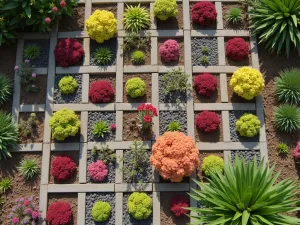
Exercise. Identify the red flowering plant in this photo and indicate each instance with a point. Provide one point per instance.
(59, 213)
(204, 13)
(205, 84)
(297, 153)
(146, 112)
(178, 204)
(237, 49)
(208, 121)
(63, 168)
(101, 92)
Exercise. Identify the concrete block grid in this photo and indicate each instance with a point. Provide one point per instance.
(119, 107)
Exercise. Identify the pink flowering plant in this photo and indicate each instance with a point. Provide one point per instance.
(98, 171)
(27, 76)
(297, 153)
(145, 114)
(25, 212)
(169, 51)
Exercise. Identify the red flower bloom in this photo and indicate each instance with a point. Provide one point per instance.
(148, 107)
(147, 119)
(47, 20)
(207, 121)
(54, 9)
(63, 168)
(59, 213)
(204, 13)
(63, 4)
(113, 127)
(178, 203)
(205, 84)
(101, 92)
(237, 49)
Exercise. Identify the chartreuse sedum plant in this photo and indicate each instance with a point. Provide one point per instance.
(282, 148)
(288, 86)
(5, 88)
(100, 128)
(8, 135)
(67, 85)
(245, 194)
(248, 125)
(174, 126)
(103, 56)
(101, 211)
(234, 15)
(139, 205)
(29, 168)
(31, 52)
(277, 24)
(136, 18)
(135, 87)
(138, 57)
(164, 9)
(212, 164)
(287, 118)
(5, 184)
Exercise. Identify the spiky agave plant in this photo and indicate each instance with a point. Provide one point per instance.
(287, 118)
(234, 15)
(5, 88)
(136, 18)
(245, 194)
(276, 22)
(103, 56)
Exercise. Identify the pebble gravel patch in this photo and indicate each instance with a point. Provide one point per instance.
(247, 154)
(42, 60)
(234, 134)
(165, 117)
(91, 199)
(111, 44)
(129, 220)
(212, 54)
(60, 98)
(170, 98)
(94, 117)
(110, 166)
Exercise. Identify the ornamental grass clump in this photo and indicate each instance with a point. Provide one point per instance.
(174, 126)
(247, 193)
(234, 15)
(136, 18)
(174, 155)
(139, 205)
(165, 9)
(29, 168)
(204, 13)
(135, 87)
(101, 211)
(101, 25)
(212, 164)
(287, 118)
(31, 52)
(5, 88)
(98, 171)
(248, 125)
(59, 213)
(237, 49)
(247, 82)
(169, 50)
(67, 85)
(205, 84)
(5, 184)
(103, 56)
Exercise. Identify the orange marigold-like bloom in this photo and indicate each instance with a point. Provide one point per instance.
(175, 156)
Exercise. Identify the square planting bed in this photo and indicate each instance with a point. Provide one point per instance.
(93, 117)
(91, 199)
(247, 154)
(43, 58)
(74, 155)
(35, 98)
(128, 219)
(111, 78)
(198, 53)
(173, 23)
(246, 62)
(111, 177)
(233, 97)
(111, 44)
(243, 25)
(165, 117)
(180, 61)
(131, 131)
(234, 134)
(74, 22)
(196, 26)
(147, 78)
(172, 97)
(60, 98)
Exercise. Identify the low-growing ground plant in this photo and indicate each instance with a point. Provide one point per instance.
(139, 205)
(26, 127)
(133, 40)
(103, 56)
(174, 126)
(165, 9)
(5, 184)
(5, 88)
(28, 77)
(136, 18)
(31, 52)
(287, 118)
(204, 50)
(29, 168)
(248, 125)
(138, 57)
(105, 154)
(234, 16)
(204, 60)
(101, 211)
(135, 87)
(212, 164)
(100, 128)
(67, 85)
(282, 148)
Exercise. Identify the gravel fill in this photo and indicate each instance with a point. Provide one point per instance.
(212, 44)
(165, 117)
(111, 169)
(42, 60)
(90, 200)
(111, 44)
(234, 134)
(170, 98)
(146, 176)
(247, 154)
(60, 98)
(94, 117)
(129, 220)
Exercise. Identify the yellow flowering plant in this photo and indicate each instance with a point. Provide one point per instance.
(101, 25)
(248, 125)
(247, 82)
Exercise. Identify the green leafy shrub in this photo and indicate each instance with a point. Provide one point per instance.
(276, 24)
(204, 60)
(133, 40)
(288, 86)
(282, 148)
(101, 211)
(234, 16)
(138, 57)
(103, 56)
(174, 126)
(31, 52)
(26, 127)
(100, 128)
(248, 125)
(64, 123)
(67, 85)
(5, 88)
(287, 118)
(242, 196)
(136, 18)
(204, 49)
(8, 135)
(139, 205)
(212, 164)
(29, 168)
(104, 154)
(135, 87)
(164, 9)
(5, 184)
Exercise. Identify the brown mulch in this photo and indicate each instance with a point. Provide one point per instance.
(70, 198)
(245, 62)
(215, 98)
(233, 97)
(20, 188)
(147, 78)
(37, 132)
(167, 217)
(131, 131)
(195, 26)
(180, 61)
(241, 26)
(74, 22)
(108, 77)
(108, 7)
(73, 155)
(35, 98)
(173, 23)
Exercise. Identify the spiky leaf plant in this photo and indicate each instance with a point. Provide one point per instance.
(103, 56)
(288, 86)
(29, 168)
(8, 135)
(245, 194)
(276, 22)
(5, 185)
(5, 88)
(136, 18)
(31, 52)
(234, 15)
(100, 128)
(287, 118)
(174, 126)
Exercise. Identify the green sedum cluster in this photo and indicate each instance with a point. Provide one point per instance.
(248, 125)
(101, 211)
(135, 87)
(138, 57)
(67, 85)
(139, 205)
(212, 164)
(64, 123)
(164, 9)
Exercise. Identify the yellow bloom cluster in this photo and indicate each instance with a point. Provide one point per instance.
(101, 25)
(247, 82)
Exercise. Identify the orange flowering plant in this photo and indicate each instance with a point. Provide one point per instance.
(175, 156)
